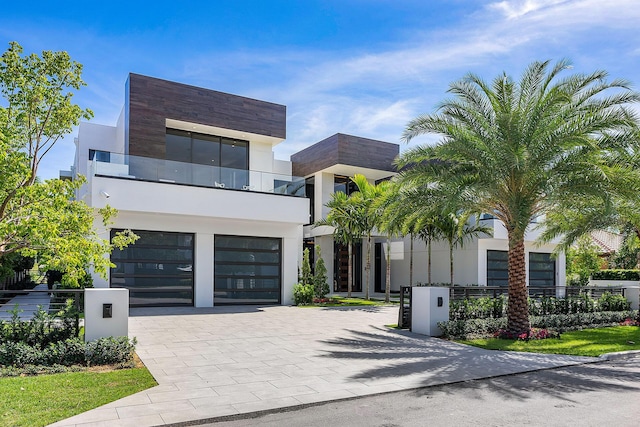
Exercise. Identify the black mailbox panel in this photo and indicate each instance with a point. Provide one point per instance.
(440, 302)
(107, 311)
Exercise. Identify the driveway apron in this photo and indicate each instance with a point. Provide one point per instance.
(232, 360)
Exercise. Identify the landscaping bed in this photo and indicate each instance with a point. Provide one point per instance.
(48, 372)
(345, 302)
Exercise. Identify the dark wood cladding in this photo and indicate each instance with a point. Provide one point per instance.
(150, 101)
(345, 150)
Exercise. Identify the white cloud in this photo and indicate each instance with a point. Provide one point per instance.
(518, 8)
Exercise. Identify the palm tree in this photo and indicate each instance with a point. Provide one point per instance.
(344, 218)
(364, 200)
(521, 149)
(455, 229)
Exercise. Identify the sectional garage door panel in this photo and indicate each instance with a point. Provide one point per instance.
(157, 269)
(248, 270)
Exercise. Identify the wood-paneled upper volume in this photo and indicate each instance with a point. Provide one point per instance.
(345, 150)
(150, 101)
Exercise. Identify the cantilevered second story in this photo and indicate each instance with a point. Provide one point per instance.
(183, 149)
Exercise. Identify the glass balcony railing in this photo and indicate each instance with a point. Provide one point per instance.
(168, 171)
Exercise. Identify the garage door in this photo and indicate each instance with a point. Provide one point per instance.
(157, 269)
(247, 270)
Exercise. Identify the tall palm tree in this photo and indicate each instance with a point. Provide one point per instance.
(520, 149)
(344, 218)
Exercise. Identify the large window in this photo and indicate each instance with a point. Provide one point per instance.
(497, 268)
(542, 269)
(157, 269)
(344, 184)
(247, 270)
(207, 159)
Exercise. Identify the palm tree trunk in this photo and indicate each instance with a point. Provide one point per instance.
(518, 308)
(411, 261)
(367, 267)
(429, 261)
(387, 288)
(451, 263)
(350, 271)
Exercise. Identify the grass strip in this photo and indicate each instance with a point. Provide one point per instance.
(587, 342)
(45, 399)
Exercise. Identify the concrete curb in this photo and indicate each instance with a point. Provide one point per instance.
(619, 355)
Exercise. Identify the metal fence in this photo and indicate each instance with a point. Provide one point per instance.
(465, 292)
(26, 303)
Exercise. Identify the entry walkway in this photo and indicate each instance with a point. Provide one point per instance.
(225, 361)
(27, 304)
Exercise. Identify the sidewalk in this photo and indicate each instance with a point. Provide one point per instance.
(225, 361)
(28, 304)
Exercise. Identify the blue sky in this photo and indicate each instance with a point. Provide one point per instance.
(363, 67)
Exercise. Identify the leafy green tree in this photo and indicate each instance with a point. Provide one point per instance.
(628, 255)
(320, 280)
(583, 259)
(36, 110)
(523, 149)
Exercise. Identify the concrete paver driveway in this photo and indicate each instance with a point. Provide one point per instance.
(223, 361)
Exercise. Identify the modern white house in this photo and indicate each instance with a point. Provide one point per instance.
(328, 166)
(191, 171)
(221, 221)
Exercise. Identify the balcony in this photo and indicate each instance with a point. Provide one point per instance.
(148, 169)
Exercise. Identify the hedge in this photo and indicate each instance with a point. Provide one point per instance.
(633, 275)
(476, 328)
(72, 351)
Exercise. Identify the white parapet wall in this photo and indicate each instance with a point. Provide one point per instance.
(106, 313)
(429, 305)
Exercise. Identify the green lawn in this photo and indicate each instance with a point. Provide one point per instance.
(348, 302)
(588, 342)
(44, 399)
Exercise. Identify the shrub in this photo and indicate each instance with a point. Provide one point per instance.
(484, 308)
(321, 287)
(477, 308)
(303, 294)
(42, 329)
(616, 275)
(306, 278)
(610, 302)
(72, 351)
(474, 328)
(471, 328)
(110, 350)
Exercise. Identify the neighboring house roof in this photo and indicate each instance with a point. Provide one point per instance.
(606, 241)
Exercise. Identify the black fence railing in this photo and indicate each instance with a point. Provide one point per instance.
(26, 303)
(465, 292)
(13, 280)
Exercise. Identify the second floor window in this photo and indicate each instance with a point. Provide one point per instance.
(210, 150)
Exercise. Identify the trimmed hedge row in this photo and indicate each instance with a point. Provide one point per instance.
(486, 307)
(72, 351)
(477, 328)
(616, 275)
